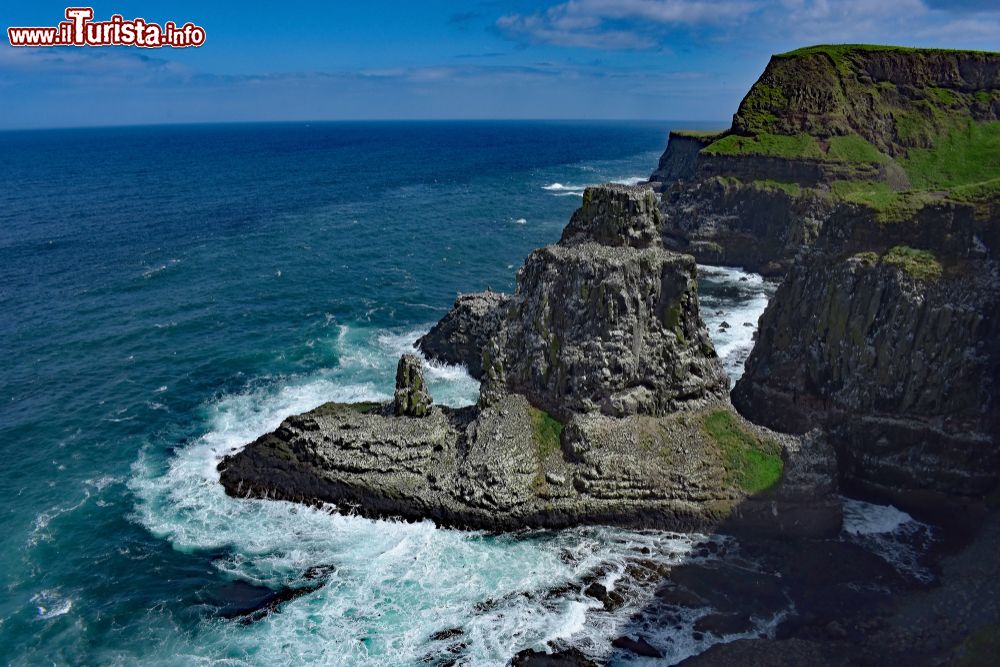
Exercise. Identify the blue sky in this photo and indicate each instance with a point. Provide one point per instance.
(621, 59)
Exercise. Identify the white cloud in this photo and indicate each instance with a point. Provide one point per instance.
(647, 24)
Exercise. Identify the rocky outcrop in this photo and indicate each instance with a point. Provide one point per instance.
(612, 327)
(505, 467)
(411, 398)
(460, 336)
(602, 402)
(616, 215)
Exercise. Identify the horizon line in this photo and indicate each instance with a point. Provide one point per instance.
(111, 126)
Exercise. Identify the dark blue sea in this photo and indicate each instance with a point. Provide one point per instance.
(167, 294)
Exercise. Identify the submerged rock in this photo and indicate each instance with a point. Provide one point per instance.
(460, 336)
(411, 398)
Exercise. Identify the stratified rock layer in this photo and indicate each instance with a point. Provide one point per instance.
(494, 469)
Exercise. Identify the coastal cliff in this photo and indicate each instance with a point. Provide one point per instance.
(884, 128)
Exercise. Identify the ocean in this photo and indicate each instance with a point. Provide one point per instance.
(167, 294)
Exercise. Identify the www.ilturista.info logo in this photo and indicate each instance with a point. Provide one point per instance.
(79, 29)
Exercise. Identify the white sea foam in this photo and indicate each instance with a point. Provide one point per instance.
(576, 190)
(521, 221)
(50, 604)
(394, 584)
(891, 534)
(732, 300)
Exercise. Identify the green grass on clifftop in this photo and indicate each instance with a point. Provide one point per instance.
(771, 145)
(751, 464)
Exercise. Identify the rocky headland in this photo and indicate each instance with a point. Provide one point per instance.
(602, 401)
(868, 178)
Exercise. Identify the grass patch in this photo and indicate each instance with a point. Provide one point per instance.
(790, 189)
(976, 191)
(698, 134)
(918, 264)
(751, 464)
(854, 148)
(772, 145)
(967, 154)
(546, 431)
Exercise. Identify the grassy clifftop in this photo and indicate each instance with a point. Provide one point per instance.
(924, 120)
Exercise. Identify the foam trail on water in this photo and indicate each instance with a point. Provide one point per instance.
(732, 300)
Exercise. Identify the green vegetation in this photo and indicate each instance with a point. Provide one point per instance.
(980, 649)
(968, 154)
(698, 134)
(854, 148)
(773, 145)
(752, 464)
(918, 264)
(976, 191)
(888, 204)
(791, 189)
(546, 431)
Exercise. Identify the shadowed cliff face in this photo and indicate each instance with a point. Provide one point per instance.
(897, 357)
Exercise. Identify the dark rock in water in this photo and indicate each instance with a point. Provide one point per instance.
(412, 398)
(721, 625)
(569, 658)
(616, 215)
(610, 599)
(248, 603)
(319, 572)
(639, 646)
(450, 633)
(461, 335)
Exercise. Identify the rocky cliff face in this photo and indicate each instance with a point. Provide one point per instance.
(897, 356)
(607, 320)
(460, 336)
(881, 127)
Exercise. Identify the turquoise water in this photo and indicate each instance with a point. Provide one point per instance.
(170, 293)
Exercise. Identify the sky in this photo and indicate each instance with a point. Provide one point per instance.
(431, 59)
